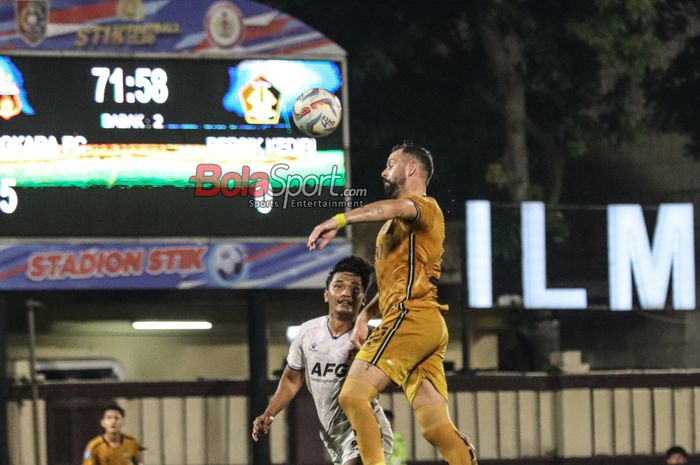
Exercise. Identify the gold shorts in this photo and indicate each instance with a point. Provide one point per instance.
(409, 347)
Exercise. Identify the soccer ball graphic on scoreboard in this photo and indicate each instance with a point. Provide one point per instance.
(229, 262)
(317, 112)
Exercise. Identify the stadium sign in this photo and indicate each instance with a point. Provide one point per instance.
(668, 259)
(160, 264)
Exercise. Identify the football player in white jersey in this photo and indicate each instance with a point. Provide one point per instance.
(320, 356)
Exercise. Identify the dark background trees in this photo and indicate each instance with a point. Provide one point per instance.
(507, 92)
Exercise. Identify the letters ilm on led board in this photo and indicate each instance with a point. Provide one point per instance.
(639, 258)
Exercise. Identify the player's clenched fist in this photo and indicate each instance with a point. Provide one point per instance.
(261, 425)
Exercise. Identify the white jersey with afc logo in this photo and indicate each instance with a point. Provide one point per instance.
(325, 360)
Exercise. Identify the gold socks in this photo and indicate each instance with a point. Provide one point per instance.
(355, 399)
(438, 429)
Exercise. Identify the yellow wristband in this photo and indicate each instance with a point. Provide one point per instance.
(341, 220)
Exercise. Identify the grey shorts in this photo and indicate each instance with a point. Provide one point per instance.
(342, 445)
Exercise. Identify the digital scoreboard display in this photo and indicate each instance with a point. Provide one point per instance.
(112, 147)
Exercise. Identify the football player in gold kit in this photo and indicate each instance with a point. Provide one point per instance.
(114, 447)
(409, 346)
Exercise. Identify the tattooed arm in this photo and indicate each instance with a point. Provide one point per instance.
(371, 213)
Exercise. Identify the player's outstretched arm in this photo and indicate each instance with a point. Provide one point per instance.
(371, 213)
(290, 383)
(361, 330)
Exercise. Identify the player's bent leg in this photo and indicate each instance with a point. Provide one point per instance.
(437, 427)
(360, 387)
(354, 399)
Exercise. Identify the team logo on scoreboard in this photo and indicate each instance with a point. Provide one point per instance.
(130, 9)
(261, 102)
(224, 24)
(13, 98)
(32, 17)
(10, 103)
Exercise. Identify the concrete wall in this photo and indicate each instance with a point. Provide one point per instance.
(220, 353)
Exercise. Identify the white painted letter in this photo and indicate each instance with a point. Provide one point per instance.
(479, 274)
(534, 267)
(629, 252)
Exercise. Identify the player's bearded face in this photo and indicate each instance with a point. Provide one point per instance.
(391, 189)
(393, 176)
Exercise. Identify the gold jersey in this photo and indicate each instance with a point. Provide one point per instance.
(409, 257)
(99, 452)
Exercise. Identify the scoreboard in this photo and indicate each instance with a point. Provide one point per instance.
(120, 146)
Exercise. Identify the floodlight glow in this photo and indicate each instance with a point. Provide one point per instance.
(292, 331)
(171, 325)
(265, 202)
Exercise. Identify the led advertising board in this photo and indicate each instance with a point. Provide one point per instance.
(619, 257)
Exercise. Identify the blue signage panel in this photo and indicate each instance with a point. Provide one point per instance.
(166, 265)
